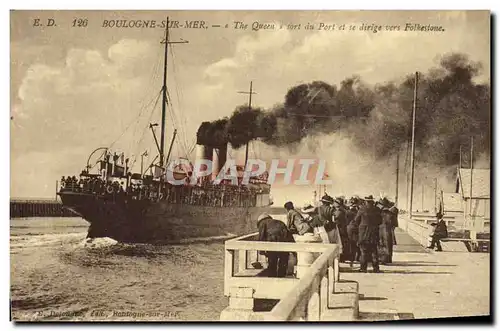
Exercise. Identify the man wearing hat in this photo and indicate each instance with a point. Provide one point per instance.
(341, 221)
(386, 239)
(352, 233)
(440, 232)
(312, 215)
(314, 221)
(368, 220)
(295, 221)
(274, 231)
(325, 213)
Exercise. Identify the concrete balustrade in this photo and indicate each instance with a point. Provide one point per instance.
(420, 231)
(306, 259)
(417, 230)
(315, 293)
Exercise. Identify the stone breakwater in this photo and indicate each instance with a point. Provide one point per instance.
(38, 208)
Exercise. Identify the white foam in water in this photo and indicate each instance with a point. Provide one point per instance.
(99, 242)
(44, 240)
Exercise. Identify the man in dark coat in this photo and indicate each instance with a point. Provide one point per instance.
(326, 216)
(368, 219)
(325, 211)
(274, 231)
(386, 236)
(352, 234)
(340, 219)
(440, 232)
(394, 214)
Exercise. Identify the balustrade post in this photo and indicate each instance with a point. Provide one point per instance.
(242, 260)
(305, 259)
(228, 269)
(313, 305)
(241, 305)
(324, 294)
(336, 270)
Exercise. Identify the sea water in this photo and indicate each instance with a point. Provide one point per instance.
(58, 274)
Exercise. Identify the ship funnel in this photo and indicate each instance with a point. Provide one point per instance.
(204, 153)
(220, 157)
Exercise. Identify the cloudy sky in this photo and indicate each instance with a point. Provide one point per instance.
(74, 89)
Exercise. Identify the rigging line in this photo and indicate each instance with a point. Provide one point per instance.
(191, 149)
(144, 131)
(134, 120)
(138, 121)
(170, 111)
(139, 144)
(175, 120)
(179, 99)
(154, 76)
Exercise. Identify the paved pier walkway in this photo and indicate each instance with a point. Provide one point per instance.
(405, 243)
(424, 284)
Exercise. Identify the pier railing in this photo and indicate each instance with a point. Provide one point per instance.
(420, 231)
(307, 295)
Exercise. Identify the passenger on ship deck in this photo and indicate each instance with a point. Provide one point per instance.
(274, 231)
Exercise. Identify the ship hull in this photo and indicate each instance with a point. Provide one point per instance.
(158, 222)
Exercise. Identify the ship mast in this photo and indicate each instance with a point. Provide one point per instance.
(249, 108)
(164, 93)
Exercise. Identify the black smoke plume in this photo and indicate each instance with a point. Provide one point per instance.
(451, 108)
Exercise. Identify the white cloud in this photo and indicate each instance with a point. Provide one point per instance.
(82, 104)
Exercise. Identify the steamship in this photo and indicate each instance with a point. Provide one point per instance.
(149, 208)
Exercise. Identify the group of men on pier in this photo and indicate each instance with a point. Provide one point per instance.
(364, 228)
